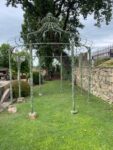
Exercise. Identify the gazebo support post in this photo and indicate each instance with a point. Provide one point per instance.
(40, 94)
(80, 67)
(61, 73)
(10, 75)
(73, 111)
(19, 59)
(31, 79)
(19, 82)
(32, 114)
(89, 74)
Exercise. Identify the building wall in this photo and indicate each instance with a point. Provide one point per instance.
(101, 81)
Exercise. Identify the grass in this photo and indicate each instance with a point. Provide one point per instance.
(108, 63)
(56, 128)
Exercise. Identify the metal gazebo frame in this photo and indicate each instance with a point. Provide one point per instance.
(49, 23)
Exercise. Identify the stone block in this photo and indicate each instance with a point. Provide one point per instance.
(33, 115)
(20, 100)
(12, 109)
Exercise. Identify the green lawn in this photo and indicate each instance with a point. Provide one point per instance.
(56, 128)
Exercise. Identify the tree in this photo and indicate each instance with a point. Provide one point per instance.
(67, 11)
(4, 56)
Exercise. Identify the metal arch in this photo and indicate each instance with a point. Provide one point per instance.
(49, 23)
(73, 86)
(54, 26)
(73, 111)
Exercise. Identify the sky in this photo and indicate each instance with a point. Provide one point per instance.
(101, 37)
(11, 20)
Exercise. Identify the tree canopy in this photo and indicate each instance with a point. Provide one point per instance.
(68, 12)
(4, 57)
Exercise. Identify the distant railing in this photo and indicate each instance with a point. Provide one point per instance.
(106, 52)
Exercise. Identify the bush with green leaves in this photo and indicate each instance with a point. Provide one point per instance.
(25, 89)
(36, 78)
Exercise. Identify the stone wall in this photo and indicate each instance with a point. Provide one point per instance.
(101, 81)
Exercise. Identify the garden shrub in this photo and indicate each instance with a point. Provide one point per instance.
(36, 78)
(25, 89)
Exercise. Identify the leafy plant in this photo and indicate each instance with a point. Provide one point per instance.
(36, 78)
(25, 89)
